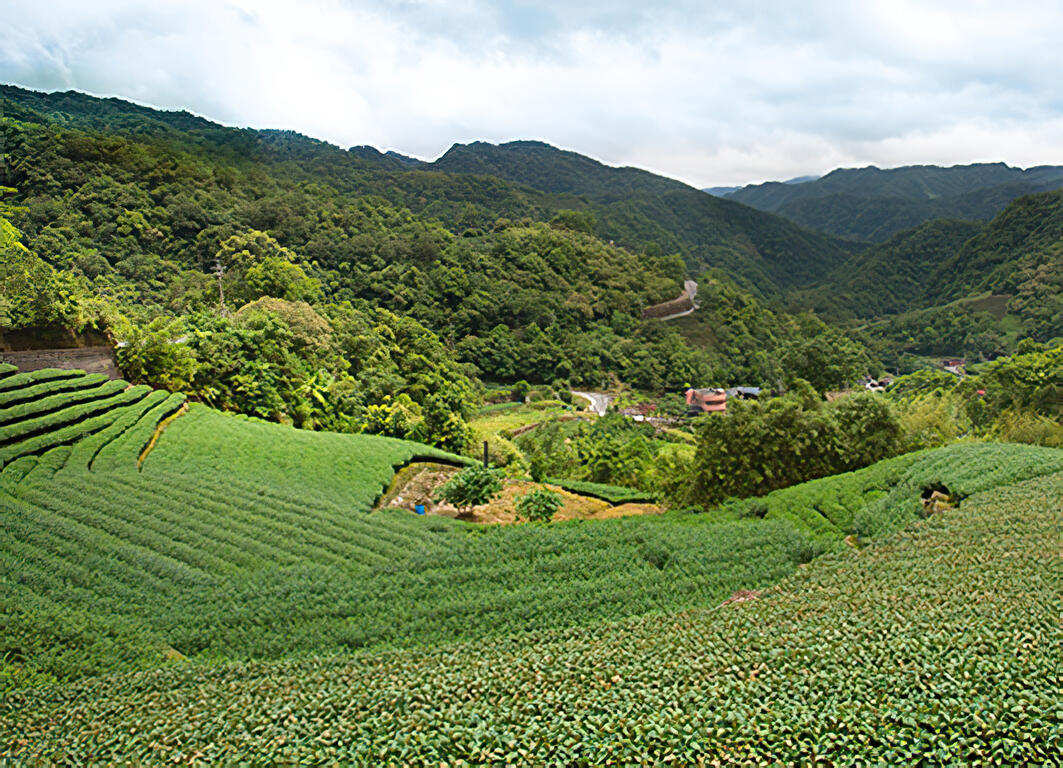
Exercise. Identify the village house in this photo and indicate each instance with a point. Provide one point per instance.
(744, 393)
(955, 367)
(713, 400)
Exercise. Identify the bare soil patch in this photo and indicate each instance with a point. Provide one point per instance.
(419, 482)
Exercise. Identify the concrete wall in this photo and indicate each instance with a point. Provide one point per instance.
(89, 359)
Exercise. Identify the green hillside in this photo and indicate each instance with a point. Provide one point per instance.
(934, 643)
(873, 204)
(239, 539)
(895, 276)
(947, 280)
(765, 253)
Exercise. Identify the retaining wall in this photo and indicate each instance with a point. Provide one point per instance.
(89, 359)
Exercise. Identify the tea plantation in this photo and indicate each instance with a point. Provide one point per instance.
(221, 589)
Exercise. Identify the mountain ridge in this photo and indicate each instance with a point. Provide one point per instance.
(873, 204)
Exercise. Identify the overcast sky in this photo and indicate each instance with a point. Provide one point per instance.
(709, 92)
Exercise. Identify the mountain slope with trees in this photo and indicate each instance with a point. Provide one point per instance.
(955, 287)
(472, 186)
(873, 204)
(310, 285)
(766, 254)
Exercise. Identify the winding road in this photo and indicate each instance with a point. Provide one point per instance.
(599, 402)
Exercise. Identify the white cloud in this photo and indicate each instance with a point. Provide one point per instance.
(700, 91)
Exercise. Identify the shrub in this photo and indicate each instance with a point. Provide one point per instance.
(932, 420)
(520, 391)
(539, 505)
(1023, 427)
(757, 509)
(472, 487)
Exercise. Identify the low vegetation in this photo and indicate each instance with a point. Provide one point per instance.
(831, 574)
(935, 644)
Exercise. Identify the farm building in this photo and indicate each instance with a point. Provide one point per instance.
(744, 393)
(713, 400)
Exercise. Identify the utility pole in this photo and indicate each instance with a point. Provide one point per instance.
(219, 272)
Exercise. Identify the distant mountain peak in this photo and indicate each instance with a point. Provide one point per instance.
(873, 203)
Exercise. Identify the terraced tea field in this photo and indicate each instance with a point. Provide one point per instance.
(224, 550)
(940, 644)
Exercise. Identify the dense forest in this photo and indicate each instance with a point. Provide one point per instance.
(277, 276)
(873, 204)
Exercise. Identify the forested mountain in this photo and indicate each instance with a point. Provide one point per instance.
(873, 204)
(499, 256)
(348, 284)
(725, 191)
(894, 276)
(1017, 257)
(950, 287)
(471, 186)
(767, 254)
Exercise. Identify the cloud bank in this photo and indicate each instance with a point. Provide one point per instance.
(702, 91)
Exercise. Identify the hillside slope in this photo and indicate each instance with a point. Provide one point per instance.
(939, 643)
(1017, 259)
(464, 189)
(240, 539)
(635, 206)
(873, 204)
(895, 276)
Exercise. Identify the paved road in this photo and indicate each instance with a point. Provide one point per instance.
(691, 289)
(599, 402)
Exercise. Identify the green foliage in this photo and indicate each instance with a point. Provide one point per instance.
(32, 293)
(822, 356)
(873, 204)
(759, 446)
(240, 540)
(520, 391)
(892, 277)
(956, 288)
(141, 208)
(155, 353)
(1017, 398)
(472, 487)
(932, 420)
(658, 215)
(1025, 427)
(394, 417)
(580, 221)
(1031, 381)
(614, 494)
(611, 450)
(256, 265)
(850, 659)
(539, 505)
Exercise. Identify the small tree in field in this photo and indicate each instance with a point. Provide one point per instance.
(470, 488)
(539, 505)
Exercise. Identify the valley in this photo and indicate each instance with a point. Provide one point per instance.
(517, 457)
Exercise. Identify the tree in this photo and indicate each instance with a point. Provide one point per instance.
(822, 355)
(154, 353)
(32, 293)
(520, 390)
(472, 487)
(577, 221)
(394, 417)
(759, 446)
(539, 505)
(253, 265)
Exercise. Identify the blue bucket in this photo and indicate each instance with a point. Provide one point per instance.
(419, 509)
